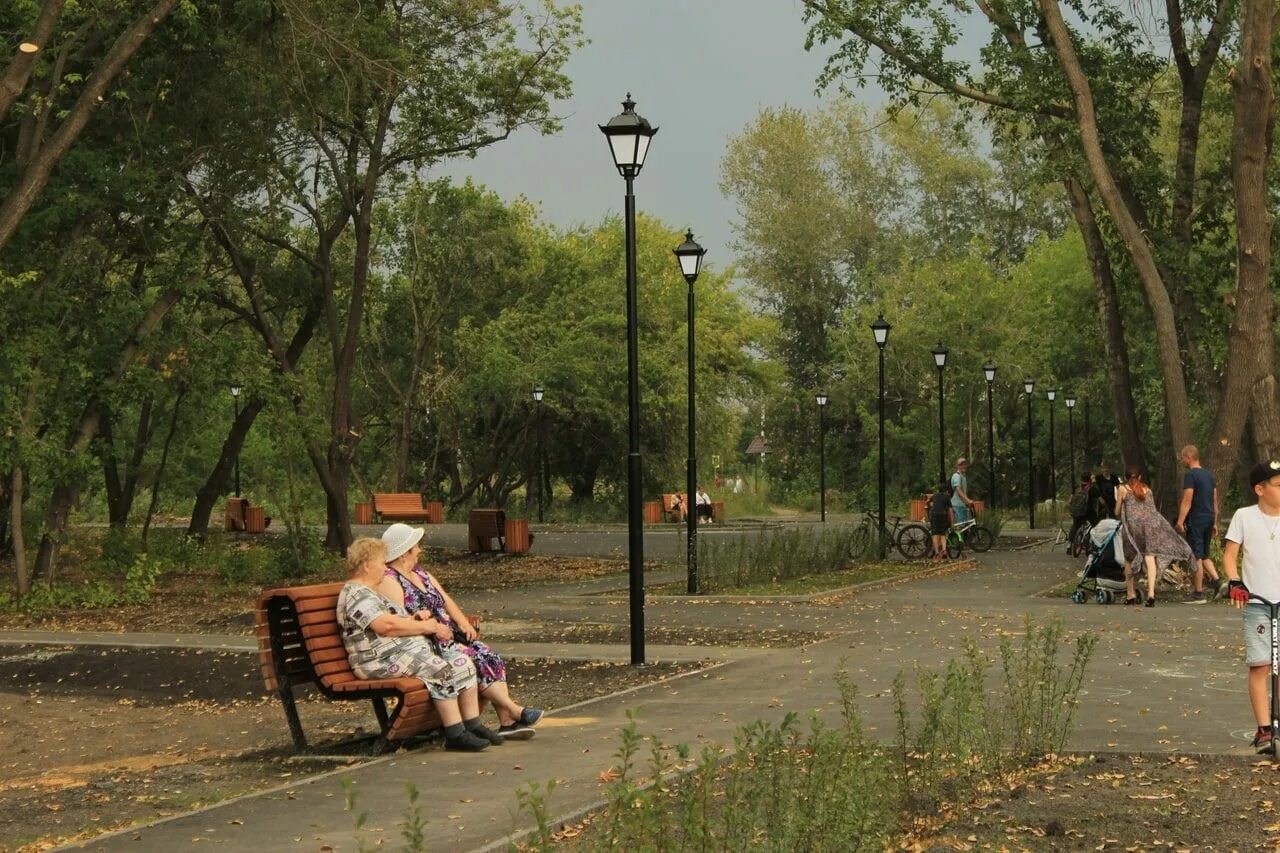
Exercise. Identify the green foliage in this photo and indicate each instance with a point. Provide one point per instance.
(773, 555)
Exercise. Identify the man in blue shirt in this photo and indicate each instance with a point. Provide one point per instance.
(1198, 519)
(960, 501)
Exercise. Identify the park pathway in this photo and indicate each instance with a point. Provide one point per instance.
(1159, 680)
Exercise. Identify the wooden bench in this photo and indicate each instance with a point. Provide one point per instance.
(300, 642)
(399, 506)
(485, 525)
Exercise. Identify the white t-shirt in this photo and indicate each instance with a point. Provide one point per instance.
(1259, 538)
(703, 498)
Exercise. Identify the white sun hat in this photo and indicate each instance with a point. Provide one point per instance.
(399, 538)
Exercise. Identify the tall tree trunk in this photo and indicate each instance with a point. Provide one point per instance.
(1120, 379)
(121, 491)
(22, 574)
(1177, 415)
(216, 484)
(164, 460)
(1250, 369)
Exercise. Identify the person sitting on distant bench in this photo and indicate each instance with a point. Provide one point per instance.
(703, 504)
(677, 508)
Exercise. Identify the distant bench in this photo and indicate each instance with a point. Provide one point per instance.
(406, 506)
(486, 525)
(300, 642)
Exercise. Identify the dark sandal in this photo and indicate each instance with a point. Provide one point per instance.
(1132, 601)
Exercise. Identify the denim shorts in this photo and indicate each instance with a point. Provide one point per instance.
(1257, 634)
(1198, 528)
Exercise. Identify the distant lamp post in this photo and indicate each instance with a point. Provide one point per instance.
(235, 407)
(537, 399)
(1052, 395)
(989, 372)
(940, 359)
(822, 454)
(880, 329)
(1071, 435)
(1030, 387)
(629, 136)
(689, 254)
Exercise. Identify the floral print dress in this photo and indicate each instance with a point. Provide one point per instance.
(489, 666)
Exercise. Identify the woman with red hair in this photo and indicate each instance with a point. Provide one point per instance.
(1148, 536)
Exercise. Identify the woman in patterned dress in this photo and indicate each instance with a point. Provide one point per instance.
(1148, 536)
(409, 585)
(383, 641)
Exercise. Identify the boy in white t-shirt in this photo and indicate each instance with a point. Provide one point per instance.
(1256, 529)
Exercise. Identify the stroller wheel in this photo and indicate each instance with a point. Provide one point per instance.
(1078, 596)
(1101, 596)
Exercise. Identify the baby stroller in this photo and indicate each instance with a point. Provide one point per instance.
(1103, 575)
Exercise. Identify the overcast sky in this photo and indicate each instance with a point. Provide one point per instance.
(700, 70)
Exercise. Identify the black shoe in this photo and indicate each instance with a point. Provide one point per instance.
(466, 742)
(522, 729)
(1150, 602)
(483, 731)
(1262, 739)
(1129, 602)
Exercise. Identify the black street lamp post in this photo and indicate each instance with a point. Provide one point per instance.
(989, 371)
(940, 359)
(1071, 435)
(537, 399)
(881, 331)
(629, 136)
(1052, 395)
(822, 454)
(689, 254)
(235, 407)
(1029, 386)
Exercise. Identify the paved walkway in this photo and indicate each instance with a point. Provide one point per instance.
(1163, 679)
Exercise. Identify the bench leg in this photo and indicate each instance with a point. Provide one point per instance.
(380, 711)
(283, 688)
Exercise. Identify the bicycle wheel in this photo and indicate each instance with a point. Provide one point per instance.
(955, 545)
(860, 542)
(913, 541)
(979, 538)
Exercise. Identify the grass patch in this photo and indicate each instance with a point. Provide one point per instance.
(806, 584)
(792, 786)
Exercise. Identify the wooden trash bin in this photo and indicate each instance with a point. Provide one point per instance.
(364, 513)
(255, 520)
(920, 509)
(652, 512)
(979, 507)
(435, 512)
(717, 512)
(517, 536)
(235, 516)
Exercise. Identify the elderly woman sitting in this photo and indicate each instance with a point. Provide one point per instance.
(383, 641)
(409, 585)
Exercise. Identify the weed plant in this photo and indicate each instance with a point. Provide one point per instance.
(993, 520)
(773, 556)
(791, 787)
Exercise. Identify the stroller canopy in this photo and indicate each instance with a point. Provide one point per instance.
(1102, 531)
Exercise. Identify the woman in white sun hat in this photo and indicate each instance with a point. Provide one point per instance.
(382, 641)
(409, 585)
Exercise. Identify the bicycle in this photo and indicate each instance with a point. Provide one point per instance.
(968, 534)
(1077, 545)
(911, 539)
